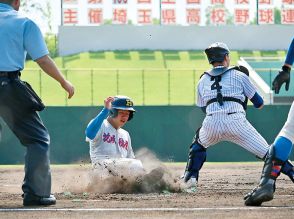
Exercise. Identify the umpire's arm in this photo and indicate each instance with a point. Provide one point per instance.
(48, 66)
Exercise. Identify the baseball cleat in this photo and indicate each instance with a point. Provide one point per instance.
(190, 186)
(250, 193)
(259, 195)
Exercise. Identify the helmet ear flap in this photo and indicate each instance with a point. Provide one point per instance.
(131, 115)
(113, 112)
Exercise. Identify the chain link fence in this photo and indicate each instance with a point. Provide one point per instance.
(144, 86)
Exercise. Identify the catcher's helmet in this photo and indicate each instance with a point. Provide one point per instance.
(216, 52)
(122, 103)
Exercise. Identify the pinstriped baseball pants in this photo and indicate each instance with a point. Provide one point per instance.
(234, 128)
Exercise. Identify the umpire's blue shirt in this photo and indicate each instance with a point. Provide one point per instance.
(18, 35)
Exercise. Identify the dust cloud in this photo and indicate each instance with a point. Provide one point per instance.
(116, 177)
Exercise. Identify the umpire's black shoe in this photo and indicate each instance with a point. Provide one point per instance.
(33, 200)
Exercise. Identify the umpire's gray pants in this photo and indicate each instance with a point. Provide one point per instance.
(32, 133)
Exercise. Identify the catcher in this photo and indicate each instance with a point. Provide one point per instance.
(222, 94)
(111, 150)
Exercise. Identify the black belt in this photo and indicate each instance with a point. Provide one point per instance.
(226, 99)
(226, 113)
(10, 74)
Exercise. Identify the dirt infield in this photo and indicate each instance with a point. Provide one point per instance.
(220, 194)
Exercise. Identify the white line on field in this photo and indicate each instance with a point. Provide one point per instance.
(142, 209)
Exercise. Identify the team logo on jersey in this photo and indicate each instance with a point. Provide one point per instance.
(111, 140)
(123, 144)
(108, 138)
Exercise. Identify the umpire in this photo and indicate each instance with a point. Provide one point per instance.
(19, 103)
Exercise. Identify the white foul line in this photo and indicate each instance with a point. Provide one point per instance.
(142, 209)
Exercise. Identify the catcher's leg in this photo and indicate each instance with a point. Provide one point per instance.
(266, 188)
(197, 156)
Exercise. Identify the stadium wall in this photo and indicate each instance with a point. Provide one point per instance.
(76, 39)
(165, 130)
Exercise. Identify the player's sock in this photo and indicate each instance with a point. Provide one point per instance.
(283, 148)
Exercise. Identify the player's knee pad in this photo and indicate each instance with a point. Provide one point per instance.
(197, 156)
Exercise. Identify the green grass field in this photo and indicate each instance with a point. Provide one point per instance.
(149, 77)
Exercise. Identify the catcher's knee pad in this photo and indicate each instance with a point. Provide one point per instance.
(197, 156)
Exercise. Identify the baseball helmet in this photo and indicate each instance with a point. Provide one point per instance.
(122, 103)
(216, 52)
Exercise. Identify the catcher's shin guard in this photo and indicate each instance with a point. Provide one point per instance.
(197, 156)
(266, 188)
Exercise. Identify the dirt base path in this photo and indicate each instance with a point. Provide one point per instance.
(220, 194)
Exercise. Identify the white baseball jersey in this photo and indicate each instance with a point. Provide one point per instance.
(233, 84)
(110, 143)
(228, 122)
(288, 129)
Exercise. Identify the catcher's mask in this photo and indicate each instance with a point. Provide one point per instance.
(216, 52)
(122, 103)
